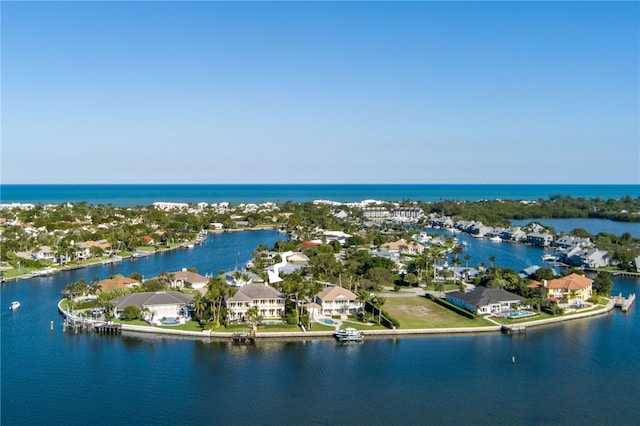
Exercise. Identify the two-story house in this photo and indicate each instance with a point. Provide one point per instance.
(270, 302)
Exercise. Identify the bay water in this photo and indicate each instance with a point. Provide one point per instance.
(582, 371)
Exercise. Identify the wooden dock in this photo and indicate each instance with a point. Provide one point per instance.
(108, 328)
(243, 337)
(513, 329)
(624, 303)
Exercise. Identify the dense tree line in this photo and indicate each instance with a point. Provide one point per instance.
(497, 212)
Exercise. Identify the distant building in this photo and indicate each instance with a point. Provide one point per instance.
(164, 205)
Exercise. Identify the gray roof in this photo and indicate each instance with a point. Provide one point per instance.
(152, 299)
(256, 291)
(482, 296)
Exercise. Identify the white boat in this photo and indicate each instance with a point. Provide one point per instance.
(14, 305)
(349, 335)
(495, 239)
(549, 258)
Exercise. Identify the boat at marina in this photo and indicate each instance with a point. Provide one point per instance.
(14, 305)
(549, 258)
(495, 239)
(349, 335)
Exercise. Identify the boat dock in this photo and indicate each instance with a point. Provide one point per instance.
(513, 329)
(624, 303)
(243, 337)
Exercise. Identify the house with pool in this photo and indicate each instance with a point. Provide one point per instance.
(167, 305)
(338, 301)
(483, 300)
(270, 302)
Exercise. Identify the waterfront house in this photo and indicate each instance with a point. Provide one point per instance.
(270, 302)
(118, 281)
(44, 253)
(479, 230)
(185, 278)
(338, 301)
(160, 304)
(483, 300)
(594, 258)
(572, 289)
(513, 234)
(568, 241)
(539, 239)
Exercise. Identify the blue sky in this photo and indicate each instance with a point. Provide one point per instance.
(327, 92)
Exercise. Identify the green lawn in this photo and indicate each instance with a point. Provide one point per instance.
(420, 312)
(363, 326)
(316, 326)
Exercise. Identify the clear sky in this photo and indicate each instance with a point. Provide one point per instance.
(327, 92)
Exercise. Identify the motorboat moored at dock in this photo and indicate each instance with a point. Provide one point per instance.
(349, 335)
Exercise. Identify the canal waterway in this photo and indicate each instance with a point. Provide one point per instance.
(582, 371)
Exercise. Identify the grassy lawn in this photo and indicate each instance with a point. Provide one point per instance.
(363, 326)
(420, 312)
(537, 317)
(188, 326)
(271, 328)
(316, 326)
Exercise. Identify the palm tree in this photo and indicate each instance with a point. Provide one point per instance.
(377, 302)
(456, 262)
(199, 306)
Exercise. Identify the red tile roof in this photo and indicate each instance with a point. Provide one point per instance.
(570, 282)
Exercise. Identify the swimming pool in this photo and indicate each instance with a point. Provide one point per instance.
(520, 314)
(327, 321)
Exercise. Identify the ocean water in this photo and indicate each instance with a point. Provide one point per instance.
(128, 195)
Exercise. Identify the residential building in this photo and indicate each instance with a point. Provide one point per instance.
(539, 239)
(403, 246)
(185, 278)
(161, 304)
(270, 302)
(338, 301)
(118, 281)
(572, 289)
(483, 300)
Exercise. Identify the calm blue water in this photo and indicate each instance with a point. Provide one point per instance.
(593, 226)
(577, 372)
(128, 195)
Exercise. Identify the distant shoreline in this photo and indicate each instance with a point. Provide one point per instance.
(30, 275)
